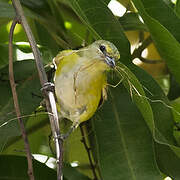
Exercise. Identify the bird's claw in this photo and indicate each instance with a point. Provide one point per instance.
(48, 86)
(62, 137)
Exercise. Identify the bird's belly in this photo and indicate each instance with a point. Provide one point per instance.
(78, 95)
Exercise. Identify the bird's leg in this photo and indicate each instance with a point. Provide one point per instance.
(72, 128)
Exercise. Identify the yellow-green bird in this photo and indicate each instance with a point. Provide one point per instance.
(80, 79)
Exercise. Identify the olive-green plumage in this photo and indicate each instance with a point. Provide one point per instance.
(80, 79)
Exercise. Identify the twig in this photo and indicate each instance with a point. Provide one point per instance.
(16, 104)
(47, 88)
(138, 52)
(150, 61)
(83, 140)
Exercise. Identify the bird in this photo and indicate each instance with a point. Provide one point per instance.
(80, 79)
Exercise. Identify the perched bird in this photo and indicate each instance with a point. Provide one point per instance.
(80, 79)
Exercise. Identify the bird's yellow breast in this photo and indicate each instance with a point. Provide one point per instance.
(79, 82)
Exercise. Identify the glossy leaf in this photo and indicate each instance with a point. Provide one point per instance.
(77, 153)
(27, 85)
(174, 91)
(162, 13)
(123, 140)
(152, 115)
(38, 130)
(4, 59)
(6, 10)
(177, 8)
(131, 21)
(106, 25)
(35, 5)
(133, 130)
(165, 37)
(16, 167)
(163, 124)
(72, 173)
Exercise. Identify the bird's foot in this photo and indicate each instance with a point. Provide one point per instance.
(48, 86)
(63, 137)
(66, 135)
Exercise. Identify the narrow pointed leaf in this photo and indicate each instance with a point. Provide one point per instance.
(124, 142)
(165, 36)
(103, 24)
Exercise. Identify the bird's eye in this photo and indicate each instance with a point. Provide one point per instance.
(102, 48)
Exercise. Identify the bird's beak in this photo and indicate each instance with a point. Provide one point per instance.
(110, 61)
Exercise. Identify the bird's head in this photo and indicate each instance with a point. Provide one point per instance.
(107, 51)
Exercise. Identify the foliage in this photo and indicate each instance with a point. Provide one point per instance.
(135, 134)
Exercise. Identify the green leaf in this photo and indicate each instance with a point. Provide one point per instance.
(166, 43)
(163, 125)
(131, 22)
(174, 91)
(76, 31)
(160, 106)
(123, 140)
(35, 5)
(72, 174)
(167, 161)
(169, 3)
(38, 130)
(153, 105)
(6, 10)
(160, 112)
(27, 84)
(4, 58)
(177, 8)
(15, 167)
(47, 53)
(37, 11)
(103, 24)
(162, 13)
(46, 40)
(135, 89)
(77, 153)
(117, 120)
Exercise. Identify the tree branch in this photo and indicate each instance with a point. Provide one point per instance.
(137, 53)
(16, 104)
(47, 88)
(150, 61)
(83, 140)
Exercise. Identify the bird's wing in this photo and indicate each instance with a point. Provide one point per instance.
(103, 96)
(61, 55)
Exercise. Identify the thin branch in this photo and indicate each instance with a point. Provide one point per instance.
(138, 52)
(150, 61)
(16, 104)
(47, 88)
(88, 152)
